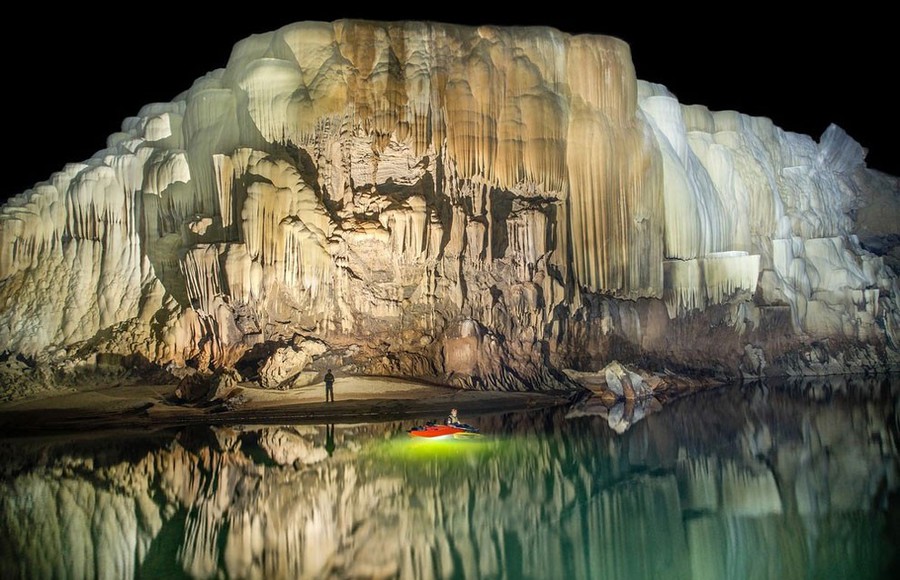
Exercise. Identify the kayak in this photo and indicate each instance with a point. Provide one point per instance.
(431, 431)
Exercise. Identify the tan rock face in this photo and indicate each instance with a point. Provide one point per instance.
(373, 186)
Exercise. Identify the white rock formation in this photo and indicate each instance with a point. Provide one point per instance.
(409, 193)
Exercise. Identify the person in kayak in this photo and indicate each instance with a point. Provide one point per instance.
(453, 419)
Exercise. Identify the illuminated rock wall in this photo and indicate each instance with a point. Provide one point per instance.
(392, 188)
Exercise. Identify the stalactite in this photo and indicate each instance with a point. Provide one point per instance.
(203, 276)
(728, 272)
(283, 195)
(168, 180)
(338, 172)
(225, 184)
(306, 265)
(408, 229)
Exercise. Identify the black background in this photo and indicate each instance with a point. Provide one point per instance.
(73, 74)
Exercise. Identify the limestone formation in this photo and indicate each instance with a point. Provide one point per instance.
(285, 366)
(220, 386)
(476, 206)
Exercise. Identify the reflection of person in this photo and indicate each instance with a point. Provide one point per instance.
(329, 439)
(329, 386)
(453, 419)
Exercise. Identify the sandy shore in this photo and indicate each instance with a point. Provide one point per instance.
(357, 400)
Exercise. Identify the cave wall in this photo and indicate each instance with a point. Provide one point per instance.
(478, 206)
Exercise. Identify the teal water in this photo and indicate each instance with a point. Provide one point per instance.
(743, 482)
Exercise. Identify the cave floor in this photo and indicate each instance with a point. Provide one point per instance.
(357, 400)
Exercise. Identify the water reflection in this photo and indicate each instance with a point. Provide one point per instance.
(748, 482)
(329, 440)
(619, 415)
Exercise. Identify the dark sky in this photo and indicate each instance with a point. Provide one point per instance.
(71, 77)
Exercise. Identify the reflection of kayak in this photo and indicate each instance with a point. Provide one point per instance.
(430, 431)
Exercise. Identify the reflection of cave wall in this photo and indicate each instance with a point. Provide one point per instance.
(671, 496)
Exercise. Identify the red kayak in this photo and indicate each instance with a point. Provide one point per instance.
(440, 430)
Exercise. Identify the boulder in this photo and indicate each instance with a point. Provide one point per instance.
(285, 365)
(201, 388)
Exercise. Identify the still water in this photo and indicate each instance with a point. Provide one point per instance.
(744, 482)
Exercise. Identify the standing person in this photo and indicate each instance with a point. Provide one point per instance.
(329, 386)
